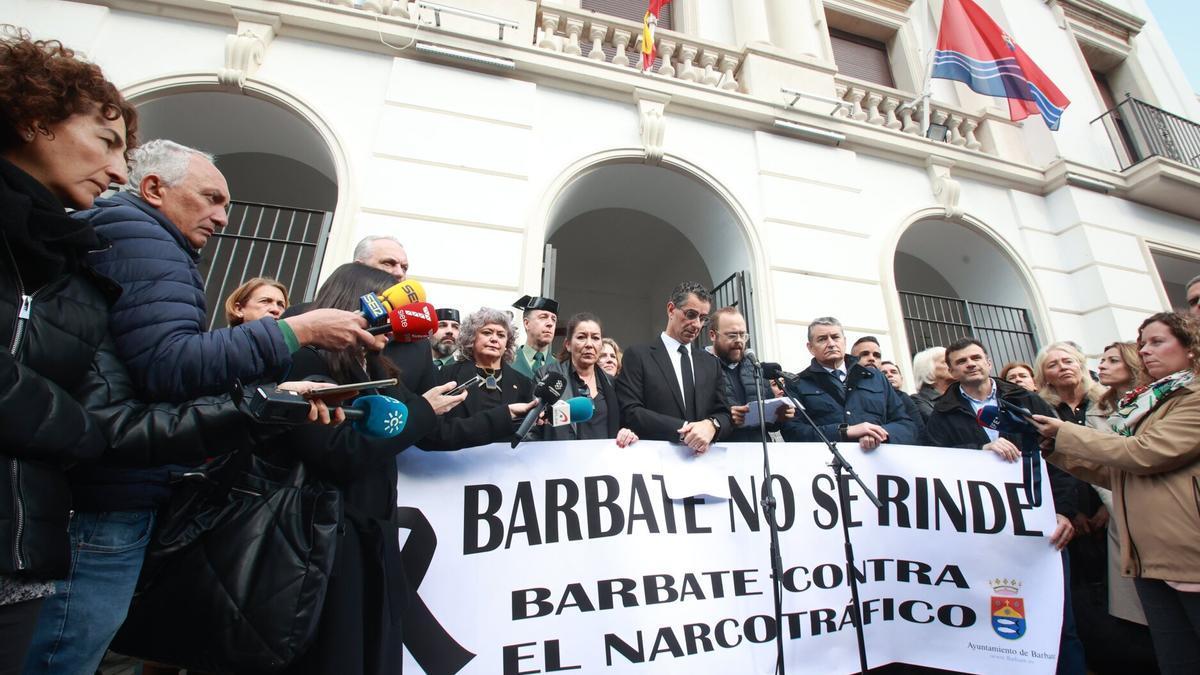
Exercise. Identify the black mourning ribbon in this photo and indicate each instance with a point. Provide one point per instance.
(434, 649)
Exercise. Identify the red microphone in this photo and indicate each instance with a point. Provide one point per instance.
(410, 322)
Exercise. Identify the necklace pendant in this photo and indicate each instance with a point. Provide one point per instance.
(490, 383)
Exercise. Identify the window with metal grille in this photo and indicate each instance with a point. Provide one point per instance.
(861, 58)
(634, 10)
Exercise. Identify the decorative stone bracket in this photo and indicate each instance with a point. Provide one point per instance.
(244, 50)
(652, 122)
(945, 189)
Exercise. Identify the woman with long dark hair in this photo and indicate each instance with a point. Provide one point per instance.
(360, 629)
(577, 363)
(1152, 465)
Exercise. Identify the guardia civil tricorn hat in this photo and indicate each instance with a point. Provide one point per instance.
(528, 302)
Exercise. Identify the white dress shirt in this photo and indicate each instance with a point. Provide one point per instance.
(673, 346)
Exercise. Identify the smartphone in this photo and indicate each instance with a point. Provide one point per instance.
(473, 382)
(343, 388)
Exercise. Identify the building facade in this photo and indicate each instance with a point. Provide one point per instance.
(774, 151)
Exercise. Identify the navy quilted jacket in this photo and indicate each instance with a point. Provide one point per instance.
(158, 323)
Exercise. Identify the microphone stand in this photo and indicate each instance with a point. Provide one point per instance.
(839, 465)
(768, 505)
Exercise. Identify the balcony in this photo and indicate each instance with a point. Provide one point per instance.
(1159, 154)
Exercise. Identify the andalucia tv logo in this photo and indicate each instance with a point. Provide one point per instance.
(1008, 609)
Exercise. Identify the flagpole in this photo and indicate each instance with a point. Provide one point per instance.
(927, 89)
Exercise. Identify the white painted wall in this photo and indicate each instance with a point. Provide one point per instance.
(466, 168)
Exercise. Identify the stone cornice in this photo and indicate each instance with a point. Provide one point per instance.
(1103, 17)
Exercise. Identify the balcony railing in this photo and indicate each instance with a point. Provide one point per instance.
(885, 107)
(1139, 131)
(609, 39)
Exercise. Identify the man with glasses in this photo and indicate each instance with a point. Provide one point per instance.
(846, 400)
(1193, 295)
(671, 391)
(727, 332)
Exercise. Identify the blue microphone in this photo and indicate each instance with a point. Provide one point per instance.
(377, 415)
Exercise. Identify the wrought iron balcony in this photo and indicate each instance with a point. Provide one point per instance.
(1139, 131)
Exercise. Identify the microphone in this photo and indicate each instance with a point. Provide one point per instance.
(572, 411)
(410, 322)
(547, 390)
(373, 415)
(375, 307)
(1015, 410)
(1002, 419)
(750, 356)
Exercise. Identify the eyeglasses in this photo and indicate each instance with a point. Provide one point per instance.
(693, 315)
(736, 336)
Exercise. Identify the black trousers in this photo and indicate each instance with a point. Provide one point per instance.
(17, 622)
(1174, 618)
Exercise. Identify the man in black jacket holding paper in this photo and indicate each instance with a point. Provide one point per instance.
(729, 337)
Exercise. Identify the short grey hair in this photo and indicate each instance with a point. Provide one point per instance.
(680, 293)
(166, 159)
(1195, 280)
(480, 318)
(362, 250)
(823, 321)
(923, 364)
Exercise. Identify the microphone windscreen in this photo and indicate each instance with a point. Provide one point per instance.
(988, 417)
(404, 293)
(581, 408)
(992, 417)
(771, 370)
(549, 387)
(373, 308)
(385, 416)
(413, 321)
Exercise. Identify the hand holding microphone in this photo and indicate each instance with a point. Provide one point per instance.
(547, 390)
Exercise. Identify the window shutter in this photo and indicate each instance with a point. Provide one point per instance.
(634, 10)
(861, 58)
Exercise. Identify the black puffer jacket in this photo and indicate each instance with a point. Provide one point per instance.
(64, 397)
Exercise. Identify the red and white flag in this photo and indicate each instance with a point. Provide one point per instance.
(649, 23)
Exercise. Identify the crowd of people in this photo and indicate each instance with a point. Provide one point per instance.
(112, 387)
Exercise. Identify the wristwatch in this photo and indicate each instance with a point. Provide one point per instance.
(842, 431)
(716, 424)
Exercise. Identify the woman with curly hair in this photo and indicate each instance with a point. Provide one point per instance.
(1152, 465)
(487, 344)
(64, 134)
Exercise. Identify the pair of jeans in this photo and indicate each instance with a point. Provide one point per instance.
(82, 617)
(1174, 618)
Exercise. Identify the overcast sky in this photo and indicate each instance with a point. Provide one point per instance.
(1180, 20)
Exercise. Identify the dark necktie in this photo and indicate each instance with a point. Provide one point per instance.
(689, 384)
(538, 359)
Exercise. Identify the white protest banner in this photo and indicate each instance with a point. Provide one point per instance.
(574, 557)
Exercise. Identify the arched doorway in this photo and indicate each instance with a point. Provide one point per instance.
(954, 281)
(282, 178)
(621, 235)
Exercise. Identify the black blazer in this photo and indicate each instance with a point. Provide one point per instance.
(412, 358)
(570, 432)
(651, 403)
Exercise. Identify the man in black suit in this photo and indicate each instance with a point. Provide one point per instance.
(671, 391)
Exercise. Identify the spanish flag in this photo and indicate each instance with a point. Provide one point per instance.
(649, 23)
